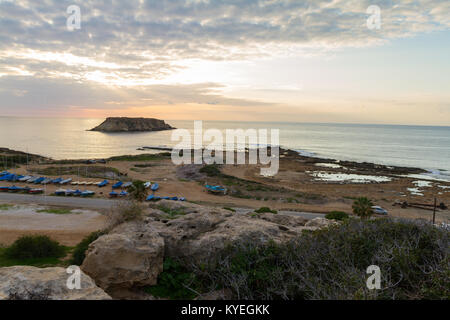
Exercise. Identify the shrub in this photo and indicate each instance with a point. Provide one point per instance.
(138, 191)
(124, 211)
(34, 247)
(211, 170)
(174, 282)
(266, 209)
(229, 209)
(362, 207)
(332, 264)
(337, 215)
(79, 252)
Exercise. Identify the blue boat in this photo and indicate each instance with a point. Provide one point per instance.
(123, 193)
(39, 180)
(15, 189)
(215, 189)
(150, 197)
(113, 194)
(58, 180)
(117, 185)
(77, 193)
(154, 187)
(87, 193)
(4, 173)
(127, 184)
(4, 189)
(60, 192)
(66, 181)
(103, 183)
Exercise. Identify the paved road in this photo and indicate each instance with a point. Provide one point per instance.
(107, 204)
(57, 201)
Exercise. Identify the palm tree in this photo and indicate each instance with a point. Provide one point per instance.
(138, 190)
(362, 207)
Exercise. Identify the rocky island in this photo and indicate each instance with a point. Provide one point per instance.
(122, 124)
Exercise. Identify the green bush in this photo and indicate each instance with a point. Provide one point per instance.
(34, 247)
(211, 170)
(332, 263)
(174, 282)
(266, 209)
(337, 215)
(79, 252)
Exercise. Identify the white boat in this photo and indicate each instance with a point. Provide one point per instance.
(47, 181)
(25, 178)
(74, 183)
(147, 185)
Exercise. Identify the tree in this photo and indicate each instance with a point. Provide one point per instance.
(362, 207)
(138, 190)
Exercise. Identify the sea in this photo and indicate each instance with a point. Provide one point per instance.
(426, 147)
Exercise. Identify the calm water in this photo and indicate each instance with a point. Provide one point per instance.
(416, 146)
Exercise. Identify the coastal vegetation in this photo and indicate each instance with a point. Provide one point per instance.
(325, 264)
(55, 211)
(124, 211)
(337, 215)
(81, 171)
(79, 253)
(362, 207)
(138, 191)
(36, 250)
(266, 209)
(142, 157)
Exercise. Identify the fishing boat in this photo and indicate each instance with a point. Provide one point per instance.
(113, 194)
(25, 178)
(4, 173)
(150, 197)
(103, 183)
(117, 185)
(154, 187)
(36, 191)
(70, 192)
(127, 184)
(77, 193)
(39, 180)
(32, 180)
(87, 193)
(74, 183)
(4, 189)
(147, 185)
(123, 193)
(215, 189)
(60, 192)
(66, 181)
(57, 180)
(15, 189)
(46, 181)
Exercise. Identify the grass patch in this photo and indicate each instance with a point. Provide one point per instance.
(172, 213)
(229, 209)
(266, 209)
(5, 206)
(55, 211)
(142, 157)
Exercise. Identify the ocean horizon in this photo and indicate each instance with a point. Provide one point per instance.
(426, 147)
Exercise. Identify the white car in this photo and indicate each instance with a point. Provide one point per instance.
(379, 210)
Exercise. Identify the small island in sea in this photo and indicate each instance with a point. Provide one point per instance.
(123, 124)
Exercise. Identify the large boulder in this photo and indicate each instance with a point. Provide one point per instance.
(203, 231)
(321, 223)
(130, 256)
(30, 283)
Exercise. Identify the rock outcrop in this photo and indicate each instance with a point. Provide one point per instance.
(321, 223)
(30, 283)
(122, 124)
(130, 256)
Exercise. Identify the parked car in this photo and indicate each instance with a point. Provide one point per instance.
(379, 210)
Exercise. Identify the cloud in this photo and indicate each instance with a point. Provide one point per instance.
(135, 42)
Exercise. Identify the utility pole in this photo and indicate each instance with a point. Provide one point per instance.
(434, 210)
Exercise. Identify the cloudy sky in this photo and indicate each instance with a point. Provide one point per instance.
(262, 60)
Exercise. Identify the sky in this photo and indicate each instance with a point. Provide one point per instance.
(239, 60)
